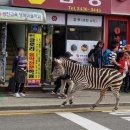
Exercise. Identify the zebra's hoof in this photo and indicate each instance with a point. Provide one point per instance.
(114, 109)
(64, 103)
(70, 102)
(92, 108)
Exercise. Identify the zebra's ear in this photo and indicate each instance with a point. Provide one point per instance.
(58, 61)
(55, 60)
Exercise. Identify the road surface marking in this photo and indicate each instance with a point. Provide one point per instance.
(120, 113)
(81, 121)
(126, 118)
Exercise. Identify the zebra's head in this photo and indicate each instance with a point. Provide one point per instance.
(58, 69)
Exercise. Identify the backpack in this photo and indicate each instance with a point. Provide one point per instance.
(106, 55)
(91, 58)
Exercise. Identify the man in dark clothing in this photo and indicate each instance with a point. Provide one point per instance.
(63, 81)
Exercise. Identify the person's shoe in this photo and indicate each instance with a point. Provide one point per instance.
(17, 95)
(58, 94)
(22, 94)
(53, 93)
(62, 96)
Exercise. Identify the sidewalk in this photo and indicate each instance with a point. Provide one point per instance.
(45, 100)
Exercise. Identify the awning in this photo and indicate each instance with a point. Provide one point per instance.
(24, 15)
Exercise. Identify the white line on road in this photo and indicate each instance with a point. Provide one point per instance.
(120, 113)
(126, 118)
(81, 121)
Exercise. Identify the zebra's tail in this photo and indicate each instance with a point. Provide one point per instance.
(123, 75)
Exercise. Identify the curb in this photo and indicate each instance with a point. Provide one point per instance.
(56, 107)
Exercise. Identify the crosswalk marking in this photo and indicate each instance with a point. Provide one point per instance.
(120, 113)
(126, 118)
(81, 121)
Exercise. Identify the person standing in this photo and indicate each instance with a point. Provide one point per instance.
(95, 55)
(19, 71)
(110, 56)
(125, 69)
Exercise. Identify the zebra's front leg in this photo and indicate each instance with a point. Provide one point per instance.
(68, 99)
(102, 93)
(69, 93)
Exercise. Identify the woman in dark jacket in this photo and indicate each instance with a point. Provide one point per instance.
(19, 71)
(97, 54)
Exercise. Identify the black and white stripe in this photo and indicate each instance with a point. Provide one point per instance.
(89, 77)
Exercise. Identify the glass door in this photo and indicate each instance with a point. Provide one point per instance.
(116, 27)
(47, 53)
(3, 55)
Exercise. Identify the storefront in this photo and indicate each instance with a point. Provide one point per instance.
(117, 25)
(21, 27)
(76, 26)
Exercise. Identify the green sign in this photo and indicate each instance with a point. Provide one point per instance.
(22, 15)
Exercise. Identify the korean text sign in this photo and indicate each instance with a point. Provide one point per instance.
(34, 58)
(95, 6)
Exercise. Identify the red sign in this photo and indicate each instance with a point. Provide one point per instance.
(117, 30)
(120, 7)
(94, 6)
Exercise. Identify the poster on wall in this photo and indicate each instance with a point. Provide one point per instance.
(80, 49)
(34, 58)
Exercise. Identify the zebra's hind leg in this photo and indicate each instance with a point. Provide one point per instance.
(102, 93)
(117, 96)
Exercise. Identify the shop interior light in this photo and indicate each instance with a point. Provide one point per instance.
(44, 33)
(72, 29)
(57, 31)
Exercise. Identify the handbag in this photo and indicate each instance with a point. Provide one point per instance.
(11, 84)
(91, 58)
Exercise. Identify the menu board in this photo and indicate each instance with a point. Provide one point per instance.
(34, 58)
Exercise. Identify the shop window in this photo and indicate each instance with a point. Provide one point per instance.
(117, 30)
(84, 33)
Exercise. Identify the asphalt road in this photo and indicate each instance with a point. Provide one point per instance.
(66, 121)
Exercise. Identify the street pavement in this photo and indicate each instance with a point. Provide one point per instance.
(44, 100)
(82, 120)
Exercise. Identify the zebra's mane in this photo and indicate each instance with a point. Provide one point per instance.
(70, 65)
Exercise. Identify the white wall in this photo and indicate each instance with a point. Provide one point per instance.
(5, 2)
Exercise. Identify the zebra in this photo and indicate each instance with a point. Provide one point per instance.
(88, 77)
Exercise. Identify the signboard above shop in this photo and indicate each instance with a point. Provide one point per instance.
(92, 6)
(120, 7)
(84, 20)
(4, 2)
(55, 18)
(13, 14)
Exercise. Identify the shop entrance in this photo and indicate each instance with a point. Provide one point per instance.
(117, 28)
(54, 46)
(3, 33)
(59, 45)
(12, 36)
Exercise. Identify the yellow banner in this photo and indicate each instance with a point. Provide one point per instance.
(34, 58)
